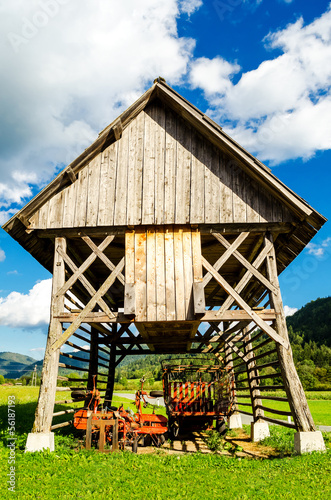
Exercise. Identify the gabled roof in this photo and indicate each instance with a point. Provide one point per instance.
(309, 219)
(204, 125)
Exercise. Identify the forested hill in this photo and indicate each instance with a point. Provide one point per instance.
(313, 321)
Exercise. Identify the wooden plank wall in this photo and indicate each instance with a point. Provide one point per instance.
(159, 262)
(160, 171)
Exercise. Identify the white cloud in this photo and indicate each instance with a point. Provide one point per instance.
(189, 6)
(2, 255)
(13, 272)
(319, 250)
(282, 109)
(289, 311)
(213, 75)
(69, 71)
(37, 349)
(27, 310)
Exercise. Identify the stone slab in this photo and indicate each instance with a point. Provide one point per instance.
(234, 421)
(40, 441)
(306, 442)
(259, 431)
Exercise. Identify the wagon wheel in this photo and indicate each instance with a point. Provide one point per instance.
(156, 394)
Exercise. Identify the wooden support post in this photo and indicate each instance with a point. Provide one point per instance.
(111, 373)
(229, 365)
(293, 387)
(93, 365)
(45, 406)
(253, 383)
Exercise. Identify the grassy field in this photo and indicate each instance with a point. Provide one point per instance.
(69, 473)
(320, 410)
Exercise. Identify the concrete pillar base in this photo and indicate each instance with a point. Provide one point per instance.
(40, 441)
(259, 430)
(306, 442)
(234, 421)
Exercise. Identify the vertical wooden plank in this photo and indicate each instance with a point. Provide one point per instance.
(196, 256)
(170, 274)
(54, 217)
(212, 186)
(140, 275)
(197, 180)
(107, 185)
(179, 274)
(133, 132)
(252, 199)
(265, 202)
(81, 198)
(170, 168)
(239, 195)
(93, 191)
(159, 164)
(69, 205)
(129, 257)
(122, 180)
(160, 275)
(149, 168)
(140, 123)
(188, 273)
(43, 215)
(183, 173)
(225, 175)
(151, 275)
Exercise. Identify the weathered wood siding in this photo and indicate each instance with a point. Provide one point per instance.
(161, 171)
(161, 263)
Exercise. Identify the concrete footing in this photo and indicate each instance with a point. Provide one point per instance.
(306, 442)
(234, 421)
(259, 430)
(40, 441)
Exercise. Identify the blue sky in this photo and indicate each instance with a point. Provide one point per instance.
(259, 68)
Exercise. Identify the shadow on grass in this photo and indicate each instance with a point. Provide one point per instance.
(24, 418)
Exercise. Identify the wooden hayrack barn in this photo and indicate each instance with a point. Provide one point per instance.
(166, 236)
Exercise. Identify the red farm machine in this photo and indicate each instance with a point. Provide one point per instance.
(196, 394)
(117, 427)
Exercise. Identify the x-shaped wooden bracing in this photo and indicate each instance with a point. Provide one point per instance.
(252, 270)
(96, 296)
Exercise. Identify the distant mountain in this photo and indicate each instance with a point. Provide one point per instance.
(14, 365)
(313, 321)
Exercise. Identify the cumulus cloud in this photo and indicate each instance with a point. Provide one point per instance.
(289, 311)
(27, 310)
(319, 250)
(2, 255)
(282, 109)
(189, 6)
(68, 69)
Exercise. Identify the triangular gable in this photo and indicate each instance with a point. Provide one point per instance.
(160, 171)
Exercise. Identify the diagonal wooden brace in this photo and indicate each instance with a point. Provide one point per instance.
(86, 283)
(81, 269)
(102, 257)
(227, 254)
(241, 303)
(247, 264)
(244, 280)
(89, 306)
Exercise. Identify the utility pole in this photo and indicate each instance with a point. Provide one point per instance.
(34, 376)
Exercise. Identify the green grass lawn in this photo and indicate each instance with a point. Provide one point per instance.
(69, 473)
(320, 410)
